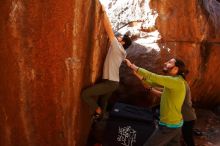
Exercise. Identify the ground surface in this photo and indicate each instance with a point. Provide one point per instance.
(209, 124)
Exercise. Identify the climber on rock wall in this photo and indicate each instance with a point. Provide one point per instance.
(116, 54)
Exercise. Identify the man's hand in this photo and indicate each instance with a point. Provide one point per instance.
(103, 8)
(107, 25)
(128, 62)
(132, 66)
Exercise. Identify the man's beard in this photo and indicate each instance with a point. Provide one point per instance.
(166, 70)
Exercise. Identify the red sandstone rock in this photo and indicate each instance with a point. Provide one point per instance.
(49, 51)
(186, 21)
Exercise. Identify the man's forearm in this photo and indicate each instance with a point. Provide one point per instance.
(156, 92)
(108, 26)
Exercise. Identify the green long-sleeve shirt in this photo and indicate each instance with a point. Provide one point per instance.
(171, 99)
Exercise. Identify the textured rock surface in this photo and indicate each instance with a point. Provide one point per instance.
(49, 50)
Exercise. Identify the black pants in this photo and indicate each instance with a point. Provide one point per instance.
(187, 132)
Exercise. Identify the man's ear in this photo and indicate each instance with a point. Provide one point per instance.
(175, 69)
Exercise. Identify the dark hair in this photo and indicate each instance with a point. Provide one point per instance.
(127, 41)
(183, 71)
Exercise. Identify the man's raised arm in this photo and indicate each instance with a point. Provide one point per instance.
(107, 25)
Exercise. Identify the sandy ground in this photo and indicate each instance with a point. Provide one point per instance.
(209, 125)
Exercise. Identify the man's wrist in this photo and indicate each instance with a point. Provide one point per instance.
(134, 67)
(150, 89)
(131, 66)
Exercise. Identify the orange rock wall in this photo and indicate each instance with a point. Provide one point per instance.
(49, 50)
(184, 21)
